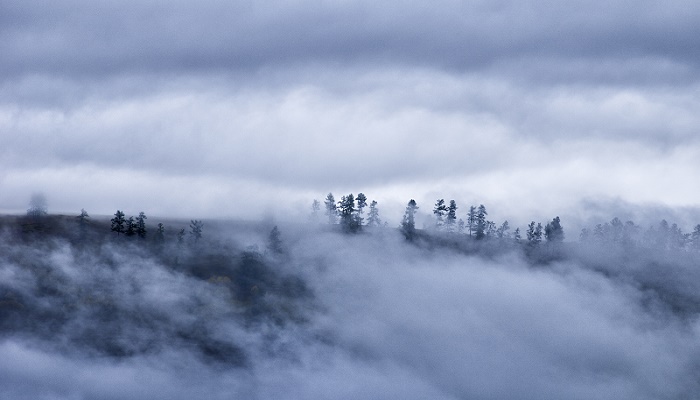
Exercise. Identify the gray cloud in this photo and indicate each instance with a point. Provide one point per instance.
(88, 39)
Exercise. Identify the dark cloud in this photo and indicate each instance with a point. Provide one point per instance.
(97, 39)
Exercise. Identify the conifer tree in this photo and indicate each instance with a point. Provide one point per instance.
(315, 208)
(346, 210)
(695, 237)
(408, 225)
(439, 211)
(373, 216)
(451, 219)
(196, 227)
(554, 232)
(534, 233)
(118, 222)
(181, 236)
(471, 220)
(331, 210)
(141, 225)
(361, 204)
(160, 233)
(502, 231)
(481, 223)
(130, 228)
(274, 241)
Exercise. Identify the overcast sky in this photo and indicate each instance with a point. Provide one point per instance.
(246, 109)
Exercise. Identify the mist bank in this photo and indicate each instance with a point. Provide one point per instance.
(332, 314)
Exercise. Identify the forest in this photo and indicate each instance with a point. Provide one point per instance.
(346, 305)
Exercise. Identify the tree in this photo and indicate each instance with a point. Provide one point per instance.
(315, 208)
(408, 225)
(451, 219)
(585, 235)
(331, 212)
(37, 205)
(695, 237)
(502, 231)
(373, 216)
(118, 222)
(534, 233)
(516, 235)
(130, 227)
(274, 241)
(160, 233)
(481, 223)
(346, 210)
(141, 225)
(181, 236)
(83, 218)
(196, 227)
(471, 220)
(554, 232)
(361, 204)
(440, 210)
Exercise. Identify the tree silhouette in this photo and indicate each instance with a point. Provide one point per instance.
(481, 223)
(130, 229)
(118, 222)
(331, 212)
(408, 225)
(274, 241)
(196, 227)
(451, 219)
(554, 232)
(373, 216)
(346, 210)
(141, 225)
(439, 211)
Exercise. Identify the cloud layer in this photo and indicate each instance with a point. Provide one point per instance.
(523, 107)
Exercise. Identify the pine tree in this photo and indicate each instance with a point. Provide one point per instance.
(440, 210)
(160, 233)
(695, 237)
(346, 210)
(130, 229)
(331, 210)
(451, 219)
(554, 232)
(181, 236)
(141, 225)
(118, 222)
(361, 204)
(274, 241)
(196, 227)
(534, 233)
(471, 220)
(502, 231)
(516, 235)
(315, 208)
(481, 223)
(373, 216)
(408, 225)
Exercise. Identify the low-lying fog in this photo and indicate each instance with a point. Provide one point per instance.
(344, 316)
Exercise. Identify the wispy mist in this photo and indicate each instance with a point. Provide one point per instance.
(345, 316)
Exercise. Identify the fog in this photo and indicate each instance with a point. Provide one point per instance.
(368, 315)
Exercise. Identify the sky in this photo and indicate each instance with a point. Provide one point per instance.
(242, 109)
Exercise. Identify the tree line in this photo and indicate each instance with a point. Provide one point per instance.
(348, 212)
